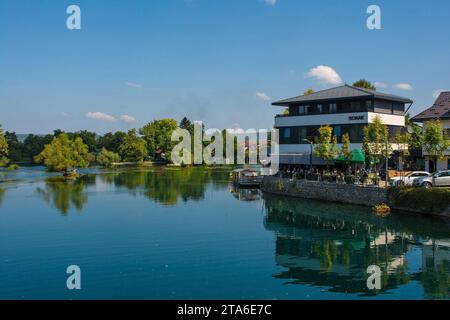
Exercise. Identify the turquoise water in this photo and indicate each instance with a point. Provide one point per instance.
(186, 234)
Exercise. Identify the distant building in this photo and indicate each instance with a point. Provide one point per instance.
(440, 110)
(347, 109)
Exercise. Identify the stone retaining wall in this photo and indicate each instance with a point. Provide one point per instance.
(345, 193)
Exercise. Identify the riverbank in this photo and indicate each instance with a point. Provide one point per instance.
(433, 202)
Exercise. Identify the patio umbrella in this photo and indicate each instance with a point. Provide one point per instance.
(356, 157)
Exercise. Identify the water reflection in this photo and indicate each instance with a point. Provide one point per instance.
(164, 185)
(2, 195)
(245, 194)
(332, 246)
(63, 194)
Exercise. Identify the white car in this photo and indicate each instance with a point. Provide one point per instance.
(408, 179)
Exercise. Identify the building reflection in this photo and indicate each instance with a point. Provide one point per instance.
(245, 194)
(331, 246)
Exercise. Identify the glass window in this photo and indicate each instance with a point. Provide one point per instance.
(337, 131)
(333, 108)
(301, 110)
(319, 108)
(287, 133)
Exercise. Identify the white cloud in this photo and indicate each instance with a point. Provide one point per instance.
(134, 85)
(271, 2)
(100, 116)
(380, 85)
(437, 92)
(128, 119)
(403, 86)
(262, 96)
(65, 114)
(325, 75)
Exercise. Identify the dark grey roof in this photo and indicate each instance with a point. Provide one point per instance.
(339, 93)
(439, 110)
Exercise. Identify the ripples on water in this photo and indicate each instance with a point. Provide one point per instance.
(187, 234)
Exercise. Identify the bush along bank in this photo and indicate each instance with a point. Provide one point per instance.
(426, 201)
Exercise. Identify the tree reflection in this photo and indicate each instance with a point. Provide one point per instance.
(2, 195)
(169, 185)
(64, 194)
(332, 245)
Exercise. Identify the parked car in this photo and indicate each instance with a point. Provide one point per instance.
(437, 179)
(408, 179)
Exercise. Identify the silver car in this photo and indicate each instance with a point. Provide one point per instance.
(437, 179)
(408, 179)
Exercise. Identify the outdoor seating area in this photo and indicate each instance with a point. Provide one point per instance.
(356, 175)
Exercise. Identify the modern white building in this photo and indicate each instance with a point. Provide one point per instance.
(440, 110)
(347, 109)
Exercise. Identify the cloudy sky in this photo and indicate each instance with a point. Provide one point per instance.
(219, 61)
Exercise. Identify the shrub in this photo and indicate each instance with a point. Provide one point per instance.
(107, 158)
(12, 167)
(425, 200)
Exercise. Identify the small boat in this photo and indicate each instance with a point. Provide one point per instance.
(247, 178)
(71, 174)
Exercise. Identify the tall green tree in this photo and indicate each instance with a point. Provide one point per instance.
(376, 144)
(15, 147)
(3, 149)
(34, 145)
(326, 145)
(111, 141)
(133, 147)
(435, 141)
(158, 135)
(88, 137)
(362, 83)
(345, 148)
(63, 154)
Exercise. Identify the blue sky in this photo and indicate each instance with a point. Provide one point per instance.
(220, 61)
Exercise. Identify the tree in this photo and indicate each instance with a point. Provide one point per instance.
(362, 83)
(107, 158)
(435, 142)
(133, 148)
(111, 141)
(158, 135)
(89, 138)
(375, 141)
(3, 149)
(63, 154)
(308, 92)
(345, 149)
(33, 145)
(15, 147)
(326, 144)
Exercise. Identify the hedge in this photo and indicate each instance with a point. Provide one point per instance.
(426, 200)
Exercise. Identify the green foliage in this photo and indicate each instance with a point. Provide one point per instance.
(345, 149)
(3, 149)
(111, 141)
(12, 167)
(375, 142)
(34, 145)
(63, 154)
(133, 148)
(89, 138)
(362, 83)
(326, 144)
(158, 135)
(435, 142)
(308, 92)
(107, 158)
(433, 200)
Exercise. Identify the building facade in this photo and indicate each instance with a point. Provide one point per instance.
(347, 109)
(440, 110)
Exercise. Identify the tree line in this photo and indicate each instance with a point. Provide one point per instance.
(61, 150)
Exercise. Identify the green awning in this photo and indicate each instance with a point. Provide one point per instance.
(356, 157)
